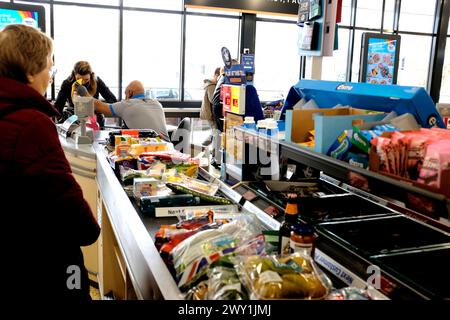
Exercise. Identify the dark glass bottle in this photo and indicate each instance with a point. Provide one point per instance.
(290, 218)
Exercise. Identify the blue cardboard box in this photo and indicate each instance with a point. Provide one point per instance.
(378, 97)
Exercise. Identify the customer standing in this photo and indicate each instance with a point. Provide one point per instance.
(95, 86)
(206, 108)
(49, 218)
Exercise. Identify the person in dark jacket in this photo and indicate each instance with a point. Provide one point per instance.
(94, 85)
(42, 204)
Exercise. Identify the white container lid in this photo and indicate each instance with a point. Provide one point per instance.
(261, 123)
(249, 120)
(271, 125)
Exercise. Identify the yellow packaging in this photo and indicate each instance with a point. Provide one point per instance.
(122, 150)
(122, 140)
(137, 149)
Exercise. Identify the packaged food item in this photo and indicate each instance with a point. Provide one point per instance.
(303, 239)
(358, 160)
(122, 145)
(199, 292)
(349, 293)
(359, 140)
(201, 195)
(437, 159)
(224, 284)
(145, 187)
(291, 277)
(152, 146)
(340, 147)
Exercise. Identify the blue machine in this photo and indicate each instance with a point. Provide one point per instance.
(386, 98)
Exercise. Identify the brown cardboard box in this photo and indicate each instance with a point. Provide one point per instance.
(328, 124)
(231, 145)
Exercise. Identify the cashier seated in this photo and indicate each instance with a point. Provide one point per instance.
(136, 111)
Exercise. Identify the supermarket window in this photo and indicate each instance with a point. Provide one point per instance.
(155, 4)
(445, 84)
(346, 10)
(388, 22)
(151, 52)
(414, 60)
(96, 42)
(277, 62)
(368, 13)
(205, 36)
(334, 68)
(417, 16)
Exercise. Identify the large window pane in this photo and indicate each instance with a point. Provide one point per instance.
(445, 85)
(151, 52)
(368, 13)
(414, 60)
(75, 41)
(205, 36)
(346, 11)
(417, 15)
(155, 4)
(334, 68)
(277, 62)
(389, 8)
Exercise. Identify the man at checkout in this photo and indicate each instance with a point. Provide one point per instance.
(136, 111)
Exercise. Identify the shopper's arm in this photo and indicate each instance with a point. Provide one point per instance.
(102, 107)
(107, 95)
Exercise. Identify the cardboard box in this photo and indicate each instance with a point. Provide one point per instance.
(233, 146)
(328, 124)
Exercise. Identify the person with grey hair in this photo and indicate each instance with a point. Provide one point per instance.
(47, 209)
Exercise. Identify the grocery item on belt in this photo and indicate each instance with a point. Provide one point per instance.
(293, 277)
(349, 293)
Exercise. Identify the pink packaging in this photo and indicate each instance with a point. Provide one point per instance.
(437, 159)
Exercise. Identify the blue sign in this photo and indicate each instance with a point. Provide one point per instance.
(235, 74)
(248, 61)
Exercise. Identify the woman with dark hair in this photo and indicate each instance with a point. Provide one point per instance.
(47, 210)
(94, 85)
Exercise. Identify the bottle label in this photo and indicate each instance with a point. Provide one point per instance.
(285, 245)
(305, 248)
